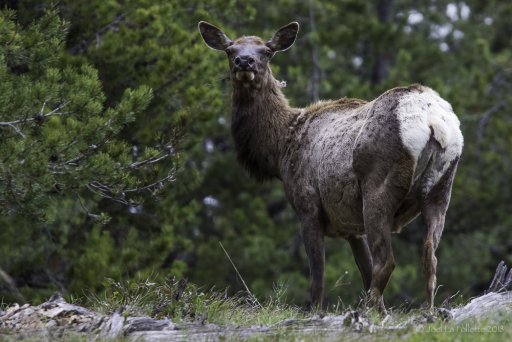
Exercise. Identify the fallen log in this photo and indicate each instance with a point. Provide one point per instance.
(57, 317)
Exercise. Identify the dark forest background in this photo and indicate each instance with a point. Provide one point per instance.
(116, 160)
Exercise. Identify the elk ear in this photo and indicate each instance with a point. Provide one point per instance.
(213, 36)
(284, 37)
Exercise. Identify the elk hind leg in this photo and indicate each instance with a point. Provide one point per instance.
(379, 205)
(433, 210)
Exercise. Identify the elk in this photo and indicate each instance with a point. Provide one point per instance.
(350, 168)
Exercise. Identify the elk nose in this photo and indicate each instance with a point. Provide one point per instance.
(244, 62)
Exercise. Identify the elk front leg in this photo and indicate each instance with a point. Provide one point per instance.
(313, 238)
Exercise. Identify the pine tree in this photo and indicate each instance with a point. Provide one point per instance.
(61, 147)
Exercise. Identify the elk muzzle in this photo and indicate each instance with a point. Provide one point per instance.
(244, 68)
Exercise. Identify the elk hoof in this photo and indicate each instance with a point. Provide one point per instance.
(377, 301)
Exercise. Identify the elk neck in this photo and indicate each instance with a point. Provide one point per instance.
(260, 125)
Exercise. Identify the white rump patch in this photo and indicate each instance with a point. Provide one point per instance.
(419, 113)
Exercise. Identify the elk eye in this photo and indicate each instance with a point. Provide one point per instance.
(229, 52)
(268, 53)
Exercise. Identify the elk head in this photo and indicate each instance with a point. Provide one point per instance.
(249, 56)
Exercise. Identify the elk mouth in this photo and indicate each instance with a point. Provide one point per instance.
(245, 75)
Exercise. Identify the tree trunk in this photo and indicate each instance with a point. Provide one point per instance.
(383, 62)
(315, 73)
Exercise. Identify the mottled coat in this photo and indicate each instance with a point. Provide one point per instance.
(350, 168)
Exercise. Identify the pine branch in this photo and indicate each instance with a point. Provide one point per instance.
(38, 117)
(153, 160)
(107, 192)
(13, 126)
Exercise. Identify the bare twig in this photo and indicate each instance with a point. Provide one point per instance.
(502, 280)
(152, 160)
(159, 183)
(108, 195)
(88, 213)
(255, 300)
(85, 154)
(497, 89)
(107, 192)
(81, 46)
(449, 299)
(41, 112)
(11, 285)
(486, 117)
(16, 129)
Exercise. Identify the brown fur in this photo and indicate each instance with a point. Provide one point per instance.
(333, 105)
(249, 40)
(343, 164)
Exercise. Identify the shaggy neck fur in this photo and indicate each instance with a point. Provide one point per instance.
(261, 117)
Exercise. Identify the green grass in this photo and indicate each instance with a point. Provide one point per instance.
(182, 302)
(489, 329)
